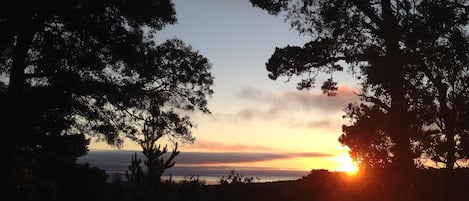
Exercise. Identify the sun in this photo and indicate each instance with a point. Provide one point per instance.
(346, 164)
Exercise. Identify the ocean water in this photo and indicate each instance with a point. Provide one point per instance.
(115, 163)
(213, 180)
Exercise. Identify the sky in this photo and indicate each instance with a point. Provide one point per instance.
(255, 122)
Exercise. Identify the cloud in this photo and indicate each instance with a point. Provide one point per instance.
(314, 124)
(118, 161)
(204, 145)
(318, 101)
(200, 158)
(253, 93)
(268, 106)
(257, 113)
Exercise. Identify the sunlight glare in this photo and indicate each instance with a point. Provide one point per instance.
(346, 164)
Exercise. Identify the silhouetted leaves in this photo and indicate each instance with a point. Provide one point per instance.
(367, 139)
(399, 46)
(89, 67)
(234, 178)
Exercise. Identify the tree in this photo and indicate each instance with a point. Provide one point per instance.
(379, 37)
(370, 145)
(134, 173)
(435, 96)
(153, 128)
(234, 178)
(435, 84)
(87, 67)
(442, 88)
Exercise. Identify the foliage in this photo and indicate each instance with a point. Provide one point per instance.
(149, 181)
(397, 45)
(191, 188)
(376, 184)
(134, 173)
(435, 86)
(235, 178)
(86, 67)
(193, 179)
(366, 137)
(440, 100)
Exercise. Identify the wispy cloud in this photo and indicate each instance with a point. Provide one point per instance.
(318, 101)
(258, 113)
(270, 106)
(314, 124)
(118, 161)
(212, 146)
(200, 158)
(253, 94)
(302, 99)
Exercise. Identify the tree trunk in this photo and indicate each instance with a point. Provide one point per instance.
(449, 125)
(17, 78)
(399, 123)
(450, 158)
(14, 112)
(450, 142)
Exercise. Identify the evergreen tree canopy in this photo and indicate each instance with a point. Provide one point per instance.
(385, 40)
(92, 67)
(99, 57)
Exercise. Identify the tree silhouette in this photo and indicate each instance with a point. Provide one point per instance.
(152, 130)
(432, 114)
(85, 67)
(381, 38)
(134, 173)
(234, 178)
(367, 139)
(441, 91)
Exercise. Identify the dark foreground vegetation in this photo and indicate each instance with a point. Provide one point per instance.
(85, 183)
(74, 71)
(421, 185)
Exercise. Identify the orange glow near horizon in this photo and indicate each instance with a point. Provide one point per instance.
(346, 164)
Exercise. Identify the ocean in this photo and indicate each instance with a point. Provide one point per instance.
(115, 163)
(213, 180)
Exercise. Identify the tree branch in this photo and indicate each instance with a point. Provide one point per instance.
(368, 12)
(376, 101)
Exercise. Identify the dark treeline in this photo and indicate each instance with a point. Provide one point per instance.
(379, 184)
(383, 184)
(75, 70)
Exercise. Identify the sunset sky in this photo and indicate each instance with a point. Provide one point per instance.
(255, 122)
